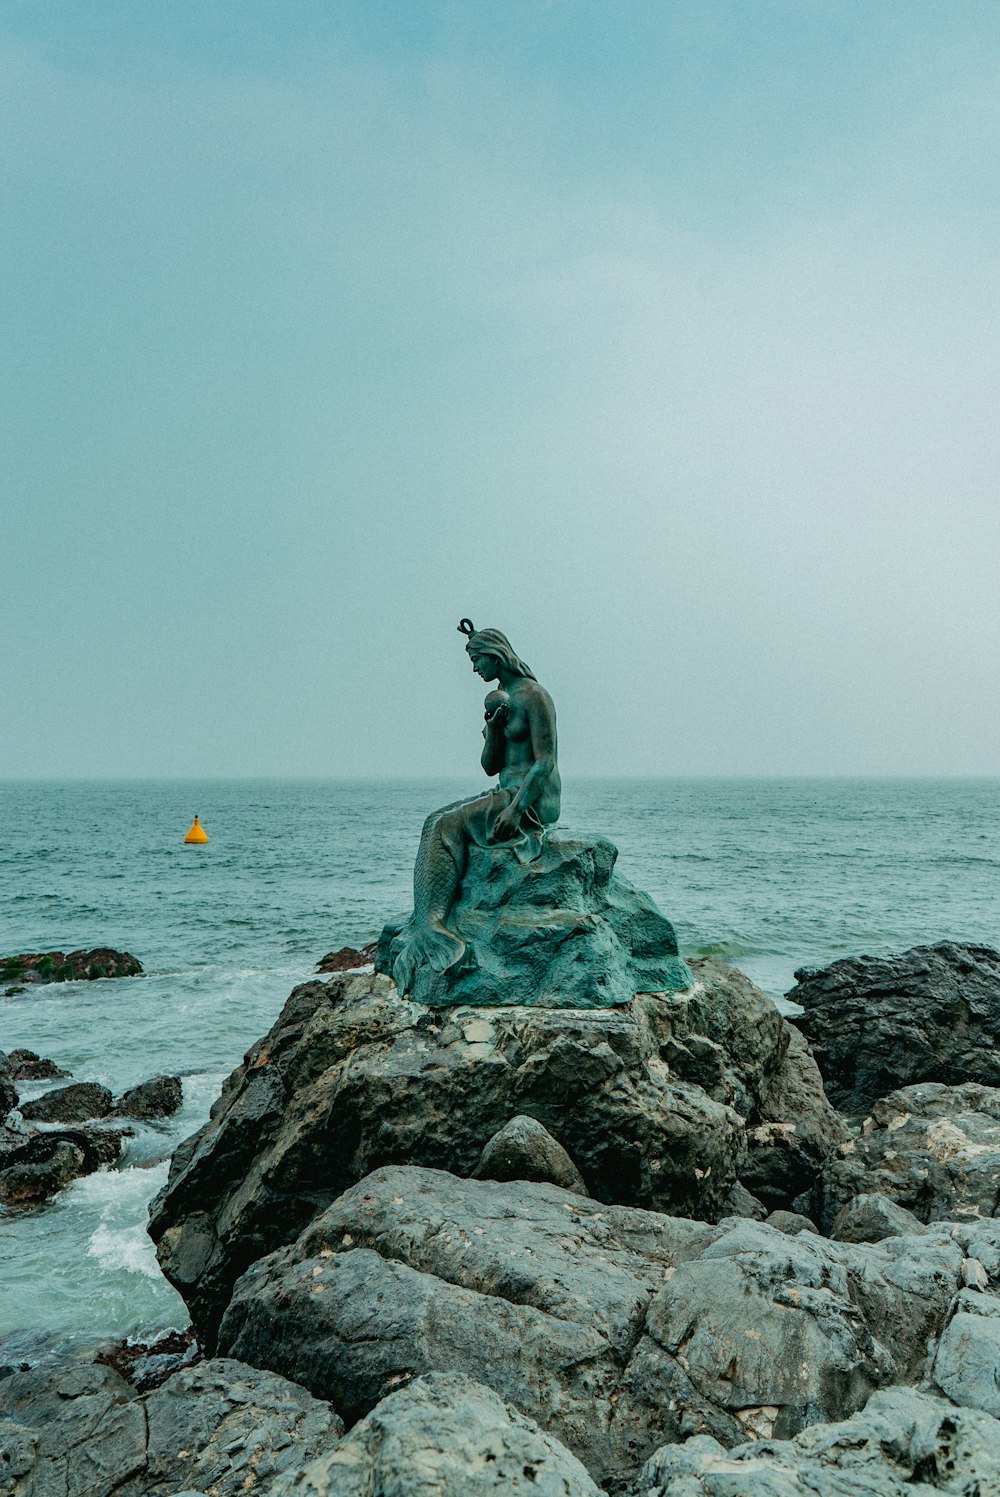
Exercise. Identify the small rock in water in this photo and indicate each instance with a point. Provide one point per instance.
(158, 1097)
(49, 1163)
(69, 1104)
(25, 1065)
(73, 966)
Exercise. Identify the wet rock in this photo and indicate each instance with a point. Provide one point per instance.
(902, 1443)
(876, 1024)
(932, 1149)
(76, 1103)
(447, 1436)
(8, 1091)
(25, 1065)
(158, 1097)
(348, 958)
(870, 1218)
(147, 1364)
(615, 1329)
(39, 1169)
(73, 966)
(219, 1428)
(561, 931)
(524, 1150)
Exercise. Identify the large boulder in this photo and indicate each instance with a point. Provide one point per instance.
(159, 1097)
(652, 1101)
(932, 1149)
(967, 1361)
(443, 1436)
(73, 966)
(901, 1444)
(218, 1427)
(561, 931)
(615, 1329)
(76, 1103)
(879, 1023)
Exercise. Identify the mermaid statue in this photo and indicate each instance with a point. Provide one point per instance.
(520, 749)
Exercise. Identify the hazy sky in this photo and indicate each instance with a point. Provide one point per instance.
(663, 336)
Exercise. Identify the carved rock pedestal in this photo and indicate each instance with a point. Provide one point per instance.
(562, 931)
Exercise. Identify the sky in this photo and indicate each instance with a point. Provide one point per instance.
(662, 336)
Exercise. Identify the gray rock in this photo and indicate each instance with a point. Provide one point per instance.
(876, 1024)
(870, 1218)
(967, 1361)
(75, 1103)
(443, 1436)
(352, 1077)
(221, 1427)
(615, 1329)
(791, 1222)
(562, 931)
(524, 1150)
(739, 1202)
(932, 1149)
(39, 1169)
(903, 1444)
(25, 1065)
(795, 1129)
(158, 1097)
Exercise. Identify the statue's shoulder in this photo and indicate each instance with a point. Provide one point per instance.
(534, 692)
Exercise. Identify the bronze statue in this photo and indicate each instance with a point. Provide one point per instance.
(520, 748)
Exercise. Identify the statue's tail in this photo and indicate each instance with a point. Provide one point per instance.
(433, 945)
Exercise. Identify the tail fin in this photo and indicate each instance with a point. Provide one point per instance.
(434, 946)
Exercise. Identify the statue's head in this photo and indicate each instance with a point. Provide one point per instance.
(489, 650)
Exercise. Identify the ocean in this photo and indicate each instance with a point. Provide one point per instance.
(770, 875)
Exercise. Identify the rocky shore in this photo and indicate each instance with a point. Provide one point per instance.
(679, 1247)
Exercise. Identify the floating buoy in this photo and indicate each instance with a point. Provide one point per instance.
(197, 833)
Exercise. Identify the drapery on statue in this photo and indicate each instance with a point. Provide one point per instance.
(519, 747)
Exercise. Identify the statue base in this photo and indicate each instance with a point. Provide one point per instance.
(563, 931)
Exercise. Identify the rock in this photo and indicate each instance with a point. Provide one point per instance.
(931, 1148)
(25, 1065)
(739, 1202)
(218, 1427)
(870, 1218)
(615, 1329)
(791, 1222)
(562, 931)
(524, 1150)
(443, 1436)
(147, 1364)
(41, 1169)
(348, 959)
(876, 1024)
(351, 1077)
(158, 1097)
(75, 1103)
(8, 1091)
(75, 966)
(902, 1443)
(798, 1129)
(967, 1361)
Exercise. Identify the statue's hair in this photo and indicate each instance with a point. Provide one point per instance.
(492, 642)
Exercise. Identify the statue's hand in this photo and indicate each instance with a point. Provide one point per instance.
(507, 825)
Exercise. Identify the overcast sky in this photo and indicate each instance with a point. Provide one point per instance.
(662, 336)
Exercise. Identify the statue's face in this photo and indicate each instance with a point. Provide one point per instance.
(485, 665)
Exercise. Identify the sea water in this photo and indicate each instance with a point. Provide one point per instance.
(770, 875)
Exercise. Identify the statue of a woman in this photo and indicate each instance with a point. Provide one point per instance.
(520, 747)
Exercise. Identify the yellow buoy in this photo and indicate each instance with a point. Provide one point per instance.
(197, 833)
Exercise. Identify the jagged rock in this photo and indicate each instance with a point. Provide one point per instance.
(870, 1218)
(562, 931)
(348, 959)
(797, 1131)
(903, 1443)
(25, 1065)
(76, 1103)
(931, 1148)
(218, 1427)
(791, 1222)
(158, 1097)
(524, 1150)
(876, 1024)
(443, 1436)
(73, 966)
(8, 1091)
(615, 1329)
(40, 1169)
(739, 1202)
(967, 1361)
